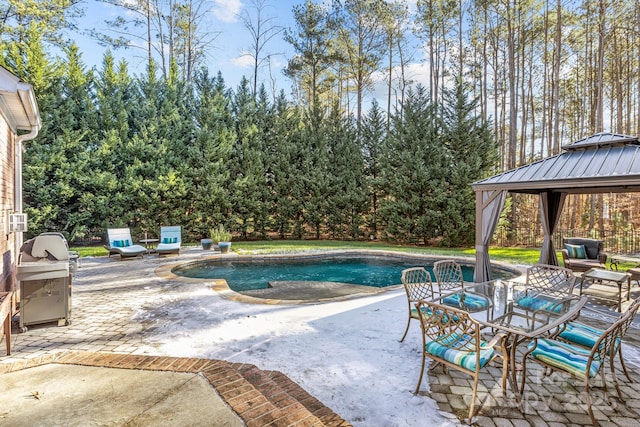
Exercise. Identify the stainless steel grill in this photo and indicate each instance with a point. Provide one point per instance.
(45, 281)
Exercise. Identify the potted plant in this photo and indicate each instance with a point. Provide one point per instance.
(222, 238)
(206, 244)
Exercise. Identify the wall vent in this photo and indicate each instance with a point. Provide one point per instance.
(17, 222)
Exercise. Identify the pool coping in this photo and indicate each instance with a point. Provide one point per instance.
(221, 287)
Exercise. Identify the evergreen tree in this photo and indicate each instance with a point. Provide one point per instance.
(413, 173)
(316, 181)
(286, 177)
(249, 192)
(115, 97)
(473, 152)
(345, 199)
(56, 164)
(116, 100)
(205, 160)
(267, 120)
(373, 132)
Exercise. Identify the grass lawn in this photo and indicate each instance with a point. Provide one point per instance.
(512, 255)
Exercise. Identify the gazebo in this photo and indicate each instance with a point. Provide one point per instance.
(601, 163)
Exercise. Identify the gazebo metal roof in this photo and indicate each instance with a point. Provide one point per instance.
(601, 163)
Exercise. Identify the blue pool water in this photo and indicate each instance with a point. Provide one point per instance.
(368, 271)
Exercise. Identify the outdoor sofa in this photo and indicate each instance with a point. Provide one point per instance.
(580, 254)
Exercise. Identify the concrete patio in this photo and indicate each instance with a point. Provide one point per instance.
(105, 335)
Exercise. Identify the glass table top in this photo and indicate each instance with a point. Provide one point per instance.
(510, 307)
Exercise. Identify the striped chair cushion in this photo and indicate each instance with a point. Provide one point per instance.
(565, 356)
(466, 359)
(170, 240)
(535, 304)
(471, 302)
(584, 335)
(121, 243)
(414, 312)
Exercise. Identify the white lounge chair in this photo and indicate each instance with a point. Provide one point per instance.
(121, 243)
(170, 240)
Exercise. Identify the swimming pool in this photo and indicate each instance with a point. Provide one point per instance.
(356, 269)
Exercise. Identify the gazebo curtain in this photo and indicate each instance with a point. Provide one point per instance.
(551, 205)
(489, 205)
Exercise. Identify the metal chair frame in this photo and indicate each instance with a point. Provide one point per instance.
(440, 323)
(418, 286)
(604, 348)
(448, 275)
(550, 279)
(618, 350)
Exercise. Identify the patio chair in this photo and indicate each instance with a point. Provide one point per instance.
(580, 363)
(586, 336)
(449, 277)
(121, 243)
(543, 279)
(418, 286)
(170, 240)
(451, 338)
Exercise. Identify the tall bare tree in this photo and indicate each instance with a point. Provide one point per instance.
(396, 26)
(263, 29)
(436, 23)
(171, 30)
(189, 38)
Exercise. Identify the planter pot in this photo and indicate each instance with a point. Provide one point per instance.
(206, 244)
(224, 246)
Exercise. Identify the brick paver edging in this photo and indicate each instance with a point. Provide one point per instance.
(260, 398)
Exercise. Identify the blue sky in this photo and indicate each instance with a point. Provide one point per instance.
(227, 54)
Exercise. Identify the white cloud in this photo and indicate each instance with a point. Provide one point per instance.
(243, 61)
(226, 10)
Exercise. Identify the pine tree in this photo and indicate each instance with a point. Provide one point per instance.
(58, 179)
(373, 133)
(413, 173)
(248, 189)
(205, 160)
(287, 165)
(473, 152)
(346, 199)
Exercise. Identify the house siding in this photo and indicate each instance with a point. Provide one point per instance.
(7, 190)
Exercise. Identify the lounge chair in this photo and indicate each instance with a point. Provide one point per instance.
(121, 243)
(170, 240)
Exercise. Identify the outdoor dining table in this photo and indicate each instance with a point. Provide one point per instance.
(507, 315)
